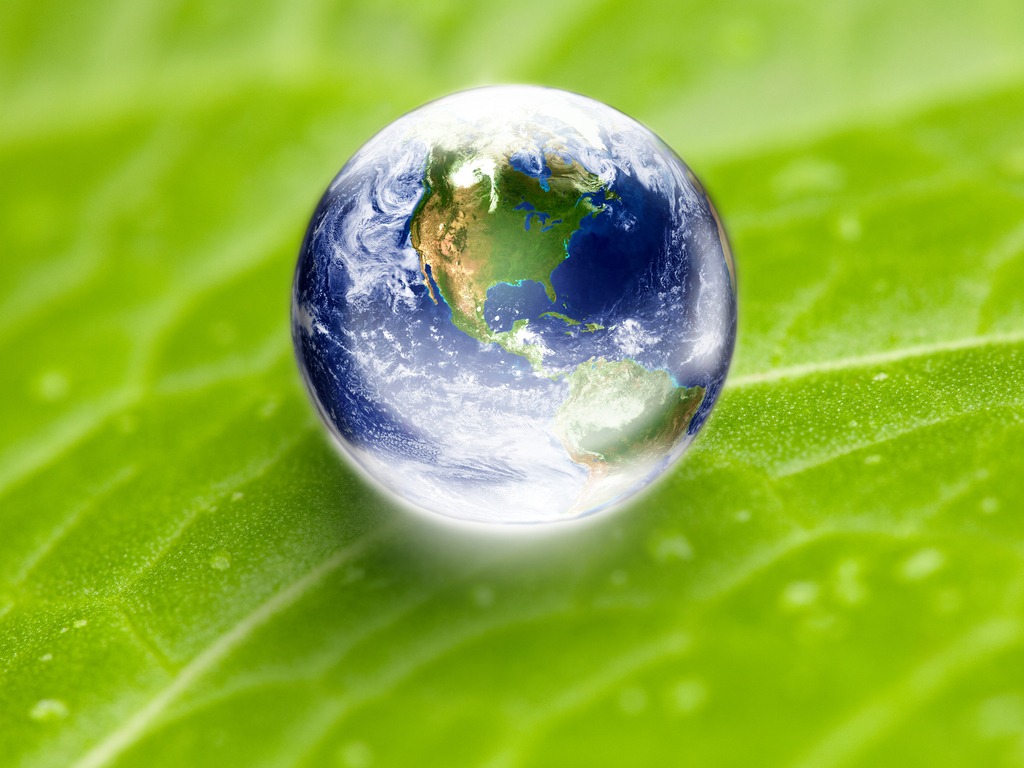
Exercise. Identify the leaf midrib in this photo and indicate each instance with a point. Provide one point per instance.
(875, 359)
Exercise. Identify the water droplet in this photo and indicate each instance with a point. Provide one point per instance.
(922, 564)
(687, 696)
(849, 227)
(51, 386)
(743, 516)
(80, 623)
(808, 175)
(237, 496)
(48, 710)
(874, 458)
(221, 560)
(675, 547)
(608, 420)
(353, 574)
(800, 594)
(483, 596)
(46, 657)
(633, 701)
(881, 376)
(356, 755)
(820, 623)
(990, 505)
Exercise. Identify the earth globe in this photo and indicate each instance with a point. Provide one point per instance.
(514, 304)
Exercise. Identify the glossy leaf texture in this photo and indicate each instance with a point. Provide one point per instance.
(189, 575)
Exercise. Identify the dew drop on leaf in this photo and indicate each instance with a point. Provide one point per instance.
(687, 696)
(922, 564)
(48, 710)
(220, 561)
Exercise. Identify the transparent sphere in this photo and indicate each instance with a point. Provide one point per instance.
(515, 305)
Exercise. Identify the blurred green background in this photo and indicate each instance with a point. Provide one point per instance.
(833, 576)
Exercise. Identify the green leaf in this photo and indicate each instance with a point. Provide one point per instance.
(189, 575)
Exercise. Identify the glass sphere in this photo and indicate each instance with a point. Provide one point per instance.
(514, 305)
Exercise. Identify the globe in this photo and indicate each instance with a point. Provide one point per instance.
(514, 305)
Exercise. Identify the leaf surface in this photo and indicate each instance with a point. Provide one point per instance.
(189, 575)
